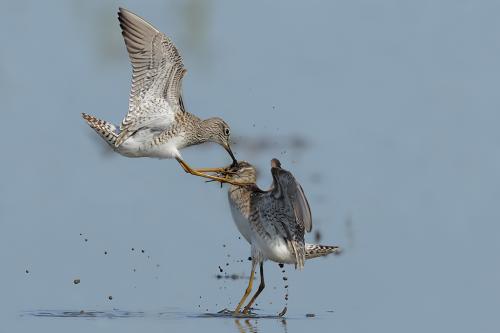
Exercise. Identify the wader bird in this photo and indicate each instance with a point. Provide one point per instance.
(272, 221)
(157, 124)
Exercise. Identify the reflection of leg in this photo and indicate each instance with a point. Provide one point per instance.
(262, 285)
(248, 290)
(251, 328)
(239, 326)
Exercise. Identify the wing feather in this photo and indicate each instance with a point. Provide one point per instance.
(301, 207)
(157, 72)
(288, 191)
(282, 212)
(286, 185)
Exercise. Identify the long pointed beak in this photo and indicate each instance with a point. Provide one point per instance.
(228, 149)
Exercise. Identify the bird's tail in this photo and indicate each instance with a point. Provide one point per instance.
(300, 255)
(106, 130)
(317, 250)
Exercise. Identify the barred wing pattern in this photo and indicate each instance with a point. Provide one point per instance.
(297, 198)
(157, 75)
(284, 210)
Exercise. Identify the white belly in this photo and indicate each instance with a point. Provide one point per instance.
(275, 249)
(139, 145)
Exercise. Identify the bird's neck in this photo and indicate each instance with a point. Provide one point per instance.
(240, 197)
(204, 130)
(198, 130)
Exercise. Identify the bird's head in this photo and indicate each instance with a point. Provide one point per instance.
(242, 171)
(218, 131)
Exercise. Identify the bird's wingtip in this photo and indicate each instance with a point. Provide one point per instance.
(275, 163)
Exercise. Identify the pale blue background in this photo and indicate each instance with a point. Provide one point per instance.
(387, 112)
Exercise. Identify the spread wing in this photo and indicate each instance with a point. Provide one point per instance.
(285, 184)
(157, 72)
(284, 210)
(275, 217)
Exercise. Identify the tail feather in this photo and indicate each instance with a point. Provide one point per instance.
(317, 250)
(300, 254)
(106, 130)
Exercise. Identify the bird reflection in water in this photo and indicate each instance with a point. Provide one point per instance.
(252, 326)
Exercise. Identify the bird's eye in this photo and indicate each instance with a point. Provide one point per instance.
(227, 131)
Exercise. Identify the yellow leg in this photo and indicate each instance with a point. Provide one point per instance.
(210, 170)
(262, 285)
(248, 290)
(220, 171)
(194, 172)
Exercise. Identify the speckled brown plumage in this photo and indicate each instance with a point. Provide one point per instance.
(157, 124)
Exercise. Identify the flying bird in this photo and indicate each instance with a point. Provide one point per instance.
(157, 124)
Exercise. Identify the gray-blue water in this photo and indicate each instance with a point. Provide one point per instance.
(387, 112)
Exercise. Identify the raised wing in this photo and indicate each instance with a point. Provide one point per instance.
(284, 184)
(275, 216)
(157, 72)
(284, 210)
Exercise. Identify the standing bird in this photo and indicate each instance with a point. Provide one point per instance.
(272, 221)
(157, 123)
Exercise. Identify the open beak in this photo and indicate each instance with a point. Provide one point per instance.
(228, 149)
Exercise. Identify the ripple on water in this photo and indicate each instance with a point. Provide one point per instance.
(116, 313)
(84, 314)
(226, 313)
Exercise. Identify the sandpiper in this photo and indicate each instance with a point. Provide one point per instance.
(272, 221)
(157, 124)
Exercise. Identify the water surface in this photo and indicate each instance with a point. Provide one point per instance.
(387, 113)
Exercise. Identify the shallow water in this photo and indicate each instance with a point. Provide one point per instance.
(386, 112)
(116, 313)
(223, 321)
